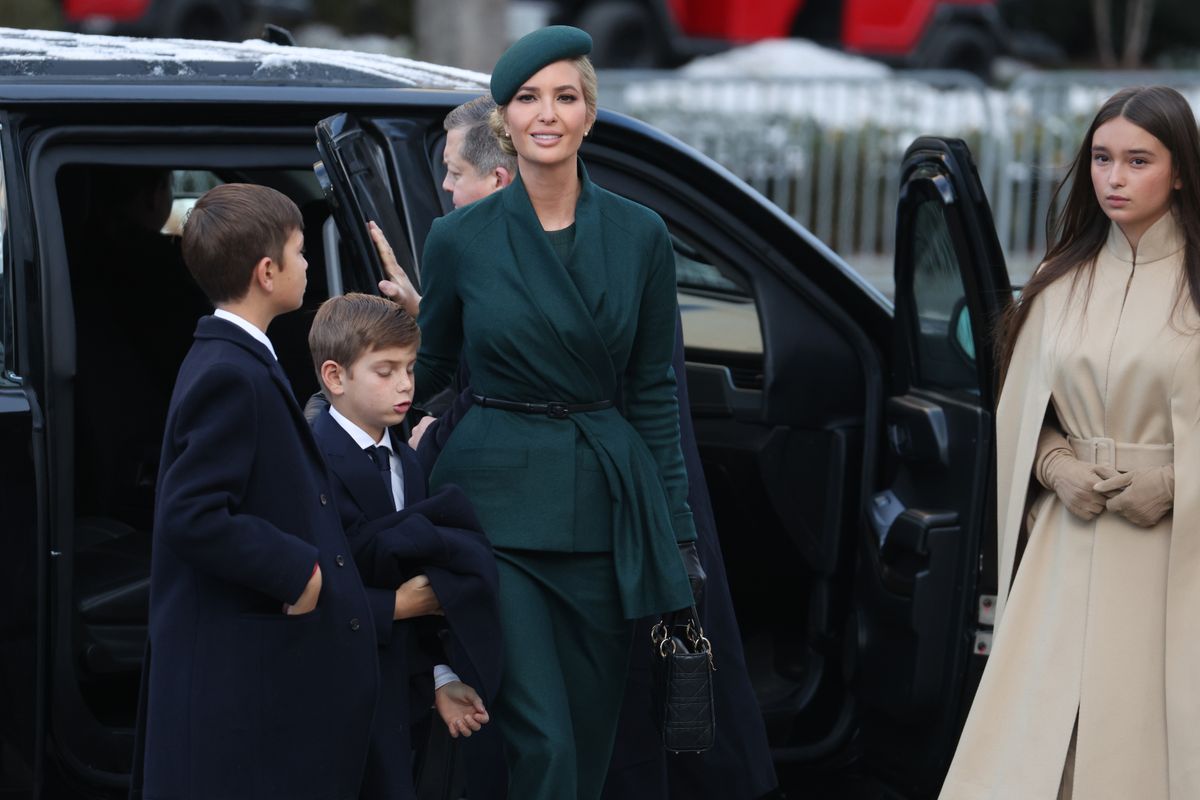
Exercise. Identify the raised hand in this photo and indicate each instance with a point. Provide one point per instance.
(397, 286)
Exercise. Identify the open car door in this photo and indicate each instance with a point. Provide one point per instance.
(924, 587)
(354, 174)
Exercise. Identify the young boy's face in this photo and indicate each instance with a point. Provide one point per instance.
(292, 277)
(377, 389)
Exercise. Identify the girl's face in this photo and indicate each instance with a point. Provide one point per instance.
(547, 117)
(1133, 176)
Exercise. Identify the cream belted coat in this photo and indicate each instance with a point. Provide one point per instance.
(1103, 617)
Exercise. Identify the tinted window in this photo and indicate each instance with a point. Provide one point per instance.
(718, 315)
(943, 359)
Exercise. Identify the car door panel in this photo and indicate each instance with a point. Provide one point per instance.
(918, 571)
(354, 175)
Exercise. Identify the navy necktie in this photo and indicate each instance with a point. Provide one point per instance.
(382, 457)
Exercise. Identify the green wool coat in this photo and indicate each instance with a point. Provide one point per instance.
(534, 329)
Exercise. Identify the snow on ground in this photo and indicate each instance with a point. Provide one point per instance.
(785, 58)
(799, 80)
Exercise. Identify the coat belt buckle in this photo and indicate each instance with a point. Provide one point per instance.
(557, 410)
(1104, 451)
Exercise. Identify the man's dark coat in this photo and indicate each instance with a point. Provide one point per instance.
(239, 700)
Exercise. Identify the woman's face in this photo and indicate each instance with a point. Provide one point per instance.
(547, 117)
(1133, 176)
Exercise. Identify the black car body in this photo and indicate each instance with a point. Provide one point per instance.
(849, 452)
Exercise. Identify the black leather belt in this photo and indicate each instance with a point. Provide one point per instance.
(551, 410)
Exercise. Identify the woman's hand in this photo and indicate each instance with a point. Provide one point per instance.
(419, 430)
(460, 708)
(1076, 482)
(397, 287)
(1143, 496)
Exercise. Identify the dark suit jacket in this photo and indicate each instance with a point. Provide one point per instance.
(241, 701)
(440, 537)
(360, 494)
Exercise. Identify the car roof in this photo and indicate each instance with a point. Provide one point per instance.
(54, 57)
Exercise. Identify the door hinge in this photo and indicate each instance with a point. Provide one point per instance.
(987, 609)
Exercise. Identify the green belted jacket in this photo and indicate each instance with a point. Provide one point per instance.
(534, 329)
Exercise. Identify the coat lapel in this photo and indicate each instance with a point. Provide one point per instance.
(545, 276)
(214, 328)
(353, 467)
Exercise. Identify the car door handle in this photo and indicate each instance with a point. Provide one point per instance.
(917, 430)
(905, 550)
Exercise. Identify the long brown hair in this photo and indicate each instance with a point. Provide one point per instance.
(1077, 234)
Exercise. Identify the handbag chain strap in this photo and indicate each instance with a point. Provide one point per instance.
(660, 636)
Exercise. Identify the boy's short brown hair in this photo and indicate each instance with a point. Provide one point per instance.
(348, 326)
(230, 229)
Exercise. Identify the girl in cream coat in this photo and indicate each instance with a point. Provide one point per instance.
(1090, 691)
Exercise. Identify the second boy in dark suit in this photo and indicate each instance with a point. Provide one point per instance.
(364, 348)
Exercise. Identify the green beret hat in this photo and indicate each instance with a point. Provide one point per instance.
(532, 52)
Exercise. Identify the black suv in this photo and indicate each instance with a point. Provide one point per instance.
(848, 445)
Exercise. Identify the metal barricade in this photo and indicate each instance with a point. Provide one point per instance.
(827, 151)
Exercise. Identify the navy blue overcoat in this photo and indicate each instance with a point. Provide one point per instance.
(239, 700)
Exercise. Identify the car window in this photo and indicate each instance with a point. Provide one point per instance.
(718, 315)
(693, 271)
(944, 351)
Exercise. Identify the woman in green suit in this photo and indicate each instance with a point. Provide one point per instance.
(561, 297)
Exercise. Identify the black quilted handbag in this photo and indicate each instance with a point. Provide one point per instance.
(681, 688)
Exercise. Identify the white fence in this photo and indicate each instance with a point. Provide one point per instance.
(828, 151)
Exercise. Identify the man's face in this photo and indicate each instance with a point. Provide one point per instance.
(463, 181)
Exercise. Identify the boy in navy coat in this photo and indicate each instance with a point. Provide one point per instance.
(261, 672)
(364, 349)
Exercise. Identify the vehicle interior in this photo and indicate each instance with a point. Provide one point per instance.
(133, 309)
(848, 461)
(782, 454)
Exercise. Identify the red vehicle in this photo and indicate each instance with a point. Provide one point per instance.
(933, 34)
(184, 19)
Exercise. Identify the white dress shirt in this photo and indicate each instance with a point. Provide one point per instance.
(248, 326)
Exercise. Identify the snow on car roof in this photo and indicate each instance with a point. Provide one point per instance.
(55, 55)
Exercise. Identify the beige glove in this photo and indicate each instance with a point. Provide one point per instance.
(1074, 481)
(1143, 496)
